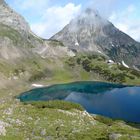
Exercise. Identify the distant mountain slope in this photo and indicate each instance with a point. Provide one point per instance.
(22, 53)
(18, 41)
(89, 32)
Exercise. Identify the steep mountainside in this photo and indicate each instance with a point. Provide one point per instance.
(17, 40)
(89, 32)
(22, 53)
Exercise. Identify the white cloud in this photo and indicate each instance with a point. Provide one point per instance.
(105, 7)
(127, 22)
(54, 19)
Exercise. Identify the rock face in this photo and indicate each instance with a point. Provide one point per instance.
(53, 49)
(10, 18)
(89, 32)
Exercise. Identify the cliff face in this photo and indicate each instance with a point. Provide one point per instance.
(89, 32)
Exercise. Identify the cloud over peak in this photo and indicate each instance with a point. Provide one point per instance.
(47, 17)
(54, 19)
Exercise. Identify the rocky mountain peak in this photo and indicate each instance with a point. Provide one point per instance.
(87, 19)
(91, 12)
(90, 17)
(90, 32)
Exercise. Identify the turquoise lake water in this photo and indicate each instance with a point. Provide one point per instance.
(111, 100)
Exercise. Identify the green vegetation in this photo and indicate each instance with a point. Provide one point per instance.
(6, 31)
(55, 43)
(78, 68)
(109, 72)
(38, 75)
(105, 120)
(16, 38)
(56, 104)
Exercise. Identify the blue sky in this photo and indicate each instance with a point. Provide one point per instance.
(46, 17)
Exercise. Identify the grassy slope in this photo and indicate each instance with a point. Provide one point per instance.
(18, 39)
(15, 36)
(97, 65)
(86, 67)
(33, 122)
(37, 122)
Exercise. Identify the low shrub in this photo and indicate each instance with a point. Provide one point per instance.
(105, 120)
(37, 76)
(56, 104)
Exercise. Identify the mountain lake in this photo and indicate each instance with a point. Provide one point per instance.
(111, 100)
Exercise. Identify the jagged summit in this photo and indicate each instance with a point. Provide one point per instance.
(90, 12)
(89, 17)
(90, 32)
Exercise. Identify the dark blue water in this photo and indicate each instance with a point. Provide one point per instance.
(111, 100)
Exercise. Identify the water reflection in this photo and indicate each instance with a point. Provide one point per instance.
(115, 101)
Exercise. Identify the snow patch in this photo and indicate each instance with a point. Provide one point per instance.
(76, 43)
(72, 54)
(112, 44)
(100, 52)
(136, 68)
(125, 65)
(37, 85)
(110, 61)
(43, 57)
